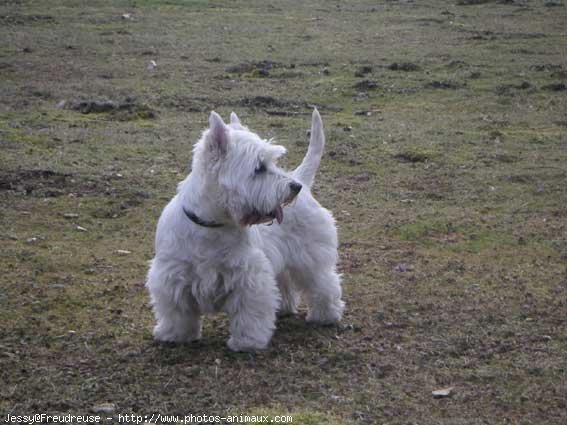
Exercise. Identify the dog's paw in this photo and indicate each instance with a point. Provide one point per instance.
(326, 315)
(245, 345)
(169, 335)
(286, 311)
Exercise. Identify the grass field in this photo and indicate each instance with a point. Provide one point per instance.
(445, 167)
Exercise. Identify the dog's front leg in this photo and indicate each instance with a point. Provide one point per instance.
(177, 313)
(252, 305)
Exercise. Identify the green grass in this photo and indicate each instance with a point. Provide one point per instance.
(446, 179)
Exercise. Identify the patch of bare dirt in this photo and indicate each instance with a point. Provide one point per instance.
(41, 183)
(18, 19)
(404, 66)
(274, 106)
(261, 68)
(126, 110)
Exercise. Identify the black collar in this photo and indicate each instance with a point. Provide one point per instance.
(195, 219)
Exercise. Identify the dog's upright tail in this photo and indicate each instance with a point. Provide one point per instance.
(305, 173)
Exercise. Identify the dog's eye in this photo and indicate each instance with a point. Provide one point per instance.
(261, 168)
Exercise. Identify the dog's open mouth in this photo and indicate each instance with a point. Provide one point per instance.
(256, 217)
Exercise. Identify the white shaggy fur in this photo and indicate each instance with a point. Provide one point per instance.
(244, 267)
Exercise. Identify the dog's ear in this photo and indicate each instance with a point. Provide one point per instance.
(235, 122)
(234, 119)
(218, 135)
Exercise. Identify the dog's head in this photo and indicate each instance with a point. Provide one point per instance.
(242, 169)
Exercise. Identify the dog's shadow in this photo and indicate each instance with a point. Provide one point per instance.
(292, 333)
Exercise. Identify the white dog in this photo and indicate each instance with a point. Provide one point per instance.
(215, 249)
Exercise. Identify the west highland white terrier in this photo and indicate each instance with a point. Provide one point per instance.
(216, 250)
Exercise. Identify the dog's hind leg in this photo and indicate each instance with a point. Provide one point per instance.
(290, 295)
(322, 292)
(177, 312)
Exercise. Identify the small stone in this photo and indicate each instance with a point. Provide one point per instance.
(81, 229)
(104, 408)
(402, 268)
(443, 392)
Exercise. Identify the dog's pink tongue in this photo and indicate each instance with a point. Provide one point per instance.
(279, 214)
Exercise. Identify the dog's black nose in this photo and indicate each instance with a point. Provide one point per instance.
(295, 187)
